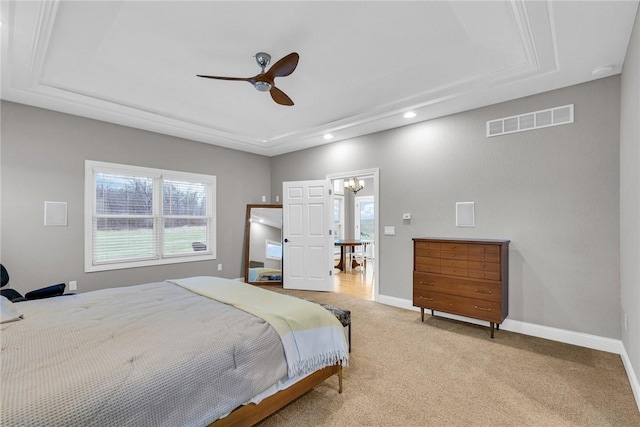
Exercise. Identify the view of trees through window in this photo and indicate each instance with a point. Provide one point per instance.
(126, 222)
(367, 221)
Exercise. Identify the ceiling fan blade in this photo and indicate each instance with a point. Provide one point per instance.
(241, 79)
(280, 97)
(284, 66)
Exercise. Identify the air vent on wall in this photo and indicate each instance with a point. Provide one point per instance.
(529, 121)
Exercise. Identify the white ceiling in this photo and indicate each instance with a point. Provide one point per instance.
(362, 63)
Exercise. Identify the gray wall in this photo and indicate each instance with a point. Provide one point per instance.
(43, 154)
(553, 192)
(630, 199)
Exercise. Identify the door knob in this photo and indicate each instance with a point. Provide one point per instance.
(286, 240)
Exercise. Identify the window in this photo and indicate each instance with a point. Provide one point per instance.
(274, 250)
(137, 216)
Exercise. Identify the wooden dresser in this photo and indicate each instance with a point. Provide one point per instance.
(462, 276)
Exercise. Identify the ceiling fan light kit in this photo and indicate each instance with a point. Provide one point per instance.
(264, 82)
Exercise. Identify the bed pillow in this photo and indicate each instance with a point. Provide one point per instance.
(8, 311)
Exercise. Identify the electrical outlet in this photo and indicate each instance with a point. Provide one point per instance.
(264, 199)
(73, 285)
(219, 267)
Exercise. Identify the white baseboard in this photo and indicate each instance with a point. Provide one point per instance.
(561, 335)
(633, 378)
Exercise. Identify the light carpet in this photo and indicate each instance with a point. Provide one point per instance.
(403, 372)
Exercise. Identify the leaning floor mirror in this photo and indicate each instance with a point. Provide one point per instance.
(263, 245)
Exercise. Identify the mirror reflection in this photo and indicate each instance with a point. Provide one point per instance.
(263, 244)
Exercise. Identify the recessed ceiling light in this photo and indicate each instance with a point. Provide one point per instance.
(328, 136)
(409, 115)
(602, 70)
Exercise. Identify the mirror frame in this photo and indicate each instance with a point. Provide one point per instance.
(247, 243)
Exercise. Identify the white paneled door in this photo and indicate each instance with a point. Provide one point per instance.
(307, 235)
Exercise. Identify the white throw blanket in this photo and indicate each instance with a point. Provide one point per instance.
(311, 336)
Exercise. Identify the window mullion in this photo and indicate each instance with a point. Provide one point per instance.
(158, 221)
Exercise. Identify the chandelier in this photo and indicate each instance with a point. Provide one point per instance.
(354, 184)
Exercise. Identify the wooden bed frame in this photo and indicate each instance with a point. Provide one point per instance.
(248, 415)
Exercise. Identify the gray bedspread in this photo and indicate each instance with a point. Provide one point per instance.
(147, 355)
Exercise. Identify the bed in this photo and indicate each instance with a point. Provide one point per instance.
(164, 354)
(259, 273)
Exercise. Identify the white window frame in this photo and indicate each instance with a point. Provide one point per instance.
(340, 223)
(92, 167)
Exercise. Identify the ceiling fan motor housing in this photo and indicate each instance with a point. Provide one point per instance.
(262, 86)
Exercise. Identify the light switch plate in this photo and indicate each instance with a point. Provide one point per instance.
(389, 231)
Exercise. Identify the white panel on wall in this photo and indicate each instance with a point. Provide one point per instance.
(55, 213)
(465, 214)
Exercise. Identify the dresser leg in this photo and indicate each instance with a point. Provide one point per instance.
(497, 326)
(491, 329)
(432, 313)
(422, 313)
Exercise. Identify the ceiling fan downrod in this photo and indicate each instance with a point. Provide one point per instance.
(263, 60)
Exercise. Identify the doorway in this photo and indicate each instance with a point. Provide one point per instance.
(356, 219)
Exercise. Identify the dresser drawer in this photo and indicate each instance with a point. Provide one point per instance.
(432, 253)
(428, 250)
(428, 245)
(484, 270)
(488, 275)
(426, 264)
(484, 257)
(476, 249)
(490, 311)
(487, 253)
(455, 271)
(455, 267)
(455, 252)
(450, 285)
(484, 266)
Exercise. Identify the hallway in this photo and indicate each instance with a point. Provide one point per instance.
(355, 282)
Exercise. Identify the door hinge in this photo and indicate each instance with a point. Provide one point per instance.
(330, 272)
(330, 232)
(330, 193)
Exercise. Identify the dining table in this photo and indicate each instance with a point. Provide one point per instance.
(351, 244)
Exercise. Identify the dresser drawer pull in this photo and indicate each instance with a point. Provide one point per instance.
(480, 308)
(427, 283)
(482, 292)
(428, 299)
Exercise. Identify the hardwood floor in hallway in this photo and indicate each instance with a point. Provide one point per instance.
(355, 282)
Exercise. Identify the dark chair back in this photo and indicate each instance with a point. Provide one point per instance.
(4, 276)
(11, 294)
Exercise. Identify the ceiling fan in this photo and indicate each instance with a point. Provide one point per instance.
(265, 80)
